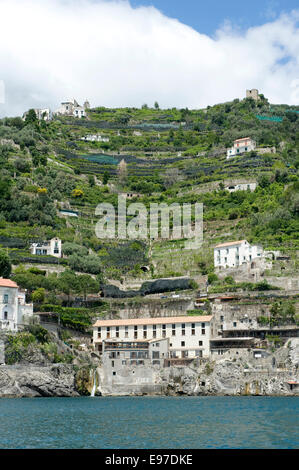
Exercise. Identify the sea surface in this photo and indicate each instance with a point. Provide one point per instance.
(150, 423)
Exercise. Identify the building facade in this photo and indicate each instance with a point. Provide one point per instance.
(234, 254)
(241, 146)
(72, 108)
(50, 248)
(14, 312)
(241, 187)
(254, 94)
(189, 336)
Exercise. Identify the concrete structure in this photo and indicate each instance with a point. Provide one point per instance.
(72, 108)
(41, 114)
(241, 187)
(234, 254)
(246, 144)
(254, 94)
(14, 312)
(95, 138)
(263, 150)
(189, 336)
(50, 248)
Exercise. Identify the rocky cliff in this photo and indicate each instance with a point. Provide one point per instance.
(55, 380)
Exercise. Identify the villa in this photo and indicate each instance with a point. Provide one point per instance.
(14, 311)
(243, 145)
(234, 254)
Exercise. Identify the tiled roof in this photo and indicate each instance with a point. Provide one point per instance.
(154, 321)
(230, 243)
(7, 283)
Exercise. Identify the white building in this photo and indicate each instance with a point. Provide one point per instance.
(41, 114)
(189, 336)
(241, 187)
(72, 108)
(243, 145)
(52, 248)
(233, 254)
(95, 138)
(14, 312)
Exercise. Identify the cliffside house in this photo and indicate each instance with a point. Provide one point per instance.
(50, 248)
(246, 144)
(188, 336)
(72, 108)
(14, 312)
(233, 254)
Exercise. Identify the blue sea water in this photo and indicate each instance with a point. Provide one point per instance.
(150, 423)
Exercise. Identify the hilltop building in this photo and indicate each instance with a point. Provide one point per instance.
(72, 108)
(246, 144)
(14, 311)
(50, 248)
(188, 337)
(234, 254)
(254, 94)
(41, 114)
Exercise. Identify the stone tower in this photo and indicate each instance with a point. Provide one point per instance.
(254, 94)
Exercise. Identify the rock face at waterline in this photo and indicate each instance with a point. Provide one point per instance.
(238, 376)
(56, 380)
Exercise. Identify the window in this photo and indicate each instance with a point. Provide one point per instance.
(114, 373)
(182, 343)
(135, 332)
(199, 343)
(156, 354)
(157, 345)
(126, 331)
(117, 331)
(108, 331)
(221, 318)
(173, 329)
(5, 298)
(183, 329)
(163, 331)
(198, 353)
(203, 331)
(235, 324)
(99, 332)
(154, 331)
(193, 329)
(5, 315)
(203, 325)
(144, 331)
(112, 363)
(124, 363)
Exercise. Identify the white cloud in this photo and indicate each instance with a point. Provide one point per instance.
(116, 55)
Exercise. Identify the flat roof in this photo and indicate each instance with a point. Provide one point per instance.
(230, 243)
(232, 339)
(154, 321)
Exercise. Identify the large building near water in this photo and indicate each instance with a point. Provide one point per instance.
(188, 336)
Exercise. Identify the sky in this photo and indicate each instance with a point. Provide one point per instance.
(117, 53)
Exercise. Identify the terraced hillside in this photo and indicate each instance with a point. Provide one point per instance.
(54, 174)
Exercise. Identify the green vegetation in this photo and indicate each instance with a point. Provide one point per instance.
(155, 156)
